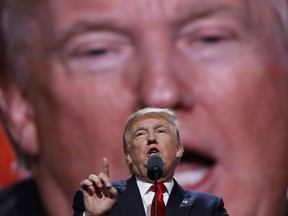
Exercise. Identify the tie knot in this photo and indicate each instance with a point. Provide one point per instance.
(160, 187)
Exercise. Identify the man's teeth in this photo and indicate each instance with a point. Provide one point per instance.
(153, 153)
(191, 177)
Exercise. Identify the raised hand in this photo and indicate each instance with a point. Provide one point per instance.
(99, 195)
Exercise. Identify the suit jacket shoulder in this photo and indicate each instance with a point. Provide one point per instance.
(187, 202)
(21, 199)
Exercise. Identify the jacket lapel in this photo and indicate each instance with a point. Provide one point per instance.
(178, 204)
(130, 201)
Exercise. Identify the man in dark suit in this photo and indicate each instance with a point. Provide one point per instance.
(148, 132)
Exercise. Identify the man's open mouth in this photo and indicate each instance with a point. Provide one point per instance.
(153, 151)
(193, 169)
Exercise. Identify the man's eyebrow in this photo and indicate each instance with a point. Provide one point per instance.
(85, 26)
(155, 127)
(206, 10)
(141, 128)
(159, 126)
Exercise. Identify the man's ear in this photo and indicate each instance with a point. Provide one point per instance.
(128, 158)
(19, 120)
(180, 150)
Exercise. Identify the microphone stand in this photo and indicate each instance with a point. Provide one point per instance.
(154, 172)
(156, 193)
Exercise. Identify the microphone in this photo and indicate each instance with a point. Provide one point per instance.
(154, 172)
(155, 166)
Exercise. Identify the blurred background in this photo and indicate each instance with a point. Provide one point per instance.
(8, 164)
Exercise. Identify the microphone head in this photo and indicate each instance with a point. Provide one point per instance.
(155, 166)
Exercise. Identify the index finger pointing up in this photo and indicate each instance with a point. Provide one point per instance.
(105, 167)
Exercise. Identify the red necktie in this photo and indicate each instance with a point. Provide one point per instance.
(161, 205)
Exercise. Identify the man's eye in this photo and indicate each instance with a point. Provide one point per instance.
(96, 52)
(212, 39)
(161, 131)
(139, 134)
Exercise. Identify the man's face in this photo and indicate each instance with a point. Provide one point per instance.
(217, 63)
(152, 134)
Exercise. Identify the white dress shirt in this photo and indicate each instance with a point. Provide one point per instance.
(147, 195)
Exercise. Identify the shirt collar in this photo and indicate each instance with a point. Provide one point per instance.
(145, 186)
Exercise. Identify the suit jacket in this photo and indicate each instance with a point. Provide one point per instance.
(181, 202)
(21, 199)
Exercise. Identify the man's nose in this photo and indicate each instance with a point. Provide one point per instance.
(159, 86)
(151, 139)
